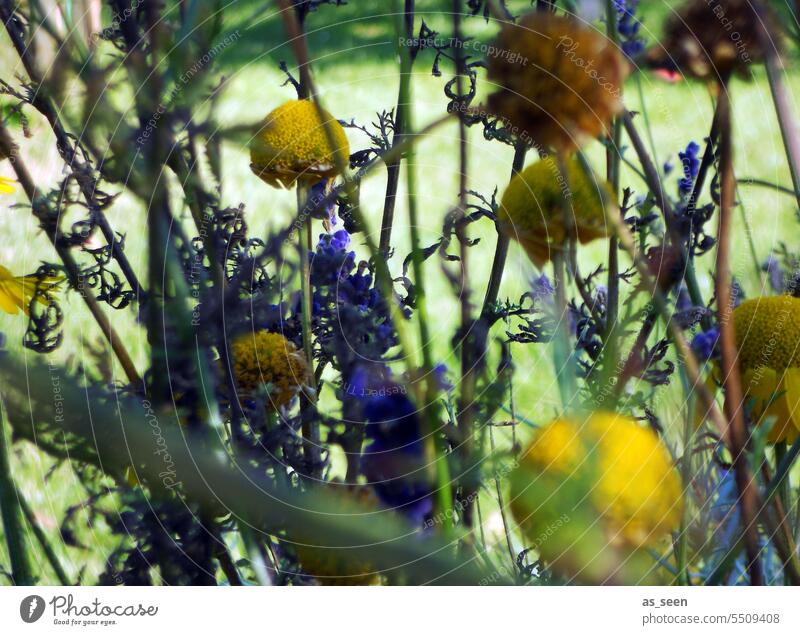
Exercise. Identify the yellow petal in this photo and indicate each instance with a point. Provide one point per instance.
(7, 301)
(5, 186)
(32, 283)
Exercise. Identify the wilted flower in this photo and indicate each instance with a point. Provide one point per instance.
(560, 82)
(265, 358)
(16, 292)
(292, 145)
(590, 494)
(710, 40)
(768, 339)
(532, 208)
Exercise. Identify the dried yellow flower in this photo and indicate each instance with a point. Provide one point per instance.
(560, 81)
(532, 208)
(292, 145)
(265, 358)
(589, 495)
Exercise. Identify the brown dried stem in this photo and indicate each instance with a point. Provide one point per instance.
(736, 433)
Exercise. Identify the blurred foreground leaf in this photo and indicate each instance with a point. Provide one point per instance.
(48, 407)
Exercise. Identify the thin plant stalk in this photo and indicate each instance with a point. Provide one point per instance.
(610, 348)
(44, 543)
(310, 425)
(501, 251)
(564, 358)
(786, 120)
(768, 184)
(648, 128)
(436, 460)
(467, 398)
(682, 548)
(561, 348)
(731, 380)
(503, 514)
(393, 167)
(785, 489)
(263, 570)
(12, 514)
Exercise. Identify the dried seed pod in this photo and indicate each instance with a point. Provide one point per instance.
(713, 40)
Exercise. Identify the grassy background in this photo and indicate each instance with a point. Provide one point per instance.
(356, 70)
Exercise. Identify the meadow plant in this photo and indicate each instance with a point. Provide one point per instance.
(292, 418)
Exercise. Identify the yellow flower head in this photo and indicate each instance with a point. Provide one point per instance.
(560, 81)
(532, 208)
(589, 495)
(292, 145)
(16, 292)
(265, 358)
(712, 40)
(341, 565)
(6, 185)
(768, 340)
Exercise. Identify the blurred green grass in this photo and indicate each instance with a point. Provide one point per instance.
(354, 59)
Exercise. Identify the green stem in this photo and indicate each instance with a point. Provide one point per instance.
(311, 433)
(762, 183)
(41, 538)
(11, 512)
(564, 359)
(503, 514)
(611, 348)
(682, 549)
(786, 121)
(748, 232)
(262, 569)
(501, 251)
(393, 167)
(784, 486)
(561, 348)
(647, 127)
(466, 416)
(434, 452)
